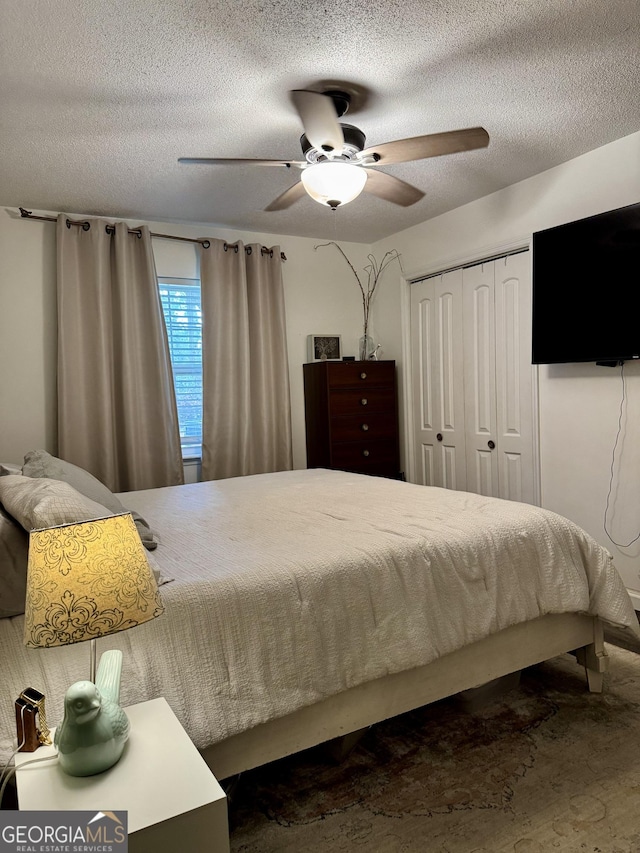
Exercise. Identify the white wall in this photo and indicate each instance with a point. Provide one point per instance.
(27, 337)
(579, 404)
(321, 296)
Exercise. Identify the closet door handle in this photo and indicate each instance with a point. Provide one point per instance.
(491, 445)
(439, 436)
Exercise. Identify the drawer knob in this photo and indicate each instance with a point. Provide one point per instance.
(363, 376)
(364, 401)
(365, 427)
(365, 452)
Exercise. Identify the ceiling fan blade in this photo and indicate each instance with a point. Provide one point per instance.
(433, 145)
(319, 120)
(238, 161)
(288, 197)
(391, 188)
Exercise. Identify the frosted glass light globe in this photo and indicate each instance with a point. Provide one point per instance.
(334, 183)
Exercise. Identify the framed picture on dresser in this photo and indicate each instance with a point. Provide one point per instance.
(324, 348)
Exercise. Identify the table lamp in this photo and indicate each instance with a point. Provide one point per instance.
(84, 581)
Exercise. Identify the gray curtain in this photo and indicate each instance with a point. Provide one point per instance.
(117, 414)
(246, 424)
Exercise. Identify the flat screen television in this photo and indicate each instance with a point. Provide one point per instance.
(586, 290)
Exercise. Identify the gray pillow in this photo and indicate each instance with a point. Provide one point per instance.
(39, 463)
(9, 468)
(36, 503)
(14, 550)
(41, 502)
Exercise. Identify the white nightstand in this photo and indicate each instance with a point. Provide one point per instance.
(173, 800)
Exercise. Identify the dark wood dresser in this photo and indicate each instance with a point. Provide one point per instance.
(351, 416)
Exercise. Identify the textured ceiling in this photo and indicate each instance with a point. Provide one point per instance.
(98, 100)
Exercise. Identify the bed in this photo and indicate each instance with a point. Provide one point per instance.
(305, 605)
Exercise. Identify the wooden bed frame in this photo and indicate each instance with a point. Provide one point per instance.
(500, 654)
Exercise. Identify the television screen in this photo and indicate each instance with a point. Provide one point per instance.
(586, 289)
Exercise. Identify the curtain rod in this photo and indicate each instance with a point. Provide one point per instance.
(27, 214)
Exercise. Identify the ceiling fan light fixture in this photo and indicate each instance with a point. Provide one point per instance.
(334, 183)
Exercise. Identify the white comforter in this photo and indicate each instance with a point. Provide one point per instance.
(291, 587)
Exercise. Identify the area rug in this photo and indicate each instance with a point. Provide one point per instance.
(545, 767)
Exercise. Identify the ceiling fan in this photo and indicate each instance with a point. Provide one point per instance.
(337, 166)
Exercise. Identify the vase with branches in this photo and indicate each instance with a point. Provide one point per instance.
(373, 271)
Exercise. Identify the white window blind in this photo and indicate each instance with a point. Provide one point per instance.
(183, 317)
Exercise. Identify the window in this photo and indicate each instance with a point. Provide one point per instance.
(183, 317)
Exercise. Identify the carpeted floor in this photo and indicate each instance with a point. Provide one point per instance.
(545, 767)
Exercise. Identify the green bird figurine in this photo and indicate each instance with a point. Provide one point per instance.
(95, 729)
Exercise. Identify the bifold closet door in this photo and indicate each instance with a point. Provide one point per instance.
(498, 378)
(437, 374)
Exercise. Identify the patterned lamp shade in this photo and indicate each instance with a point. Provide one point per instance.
(87, 580)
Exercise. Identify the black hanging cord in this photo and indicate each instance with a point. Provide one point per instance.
(613, 460)
(27, 214)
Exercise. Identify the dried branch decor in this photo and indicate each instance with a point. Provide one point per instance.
(373, 272)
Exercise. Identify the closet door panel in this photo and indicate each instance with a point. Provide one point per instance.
(426, 473)
(483, 475)
(436, 331)
(450, 475)
(511, 474)
(450, 424)
(480, 379)
(423, 373)
(514, 378)
(474, 384)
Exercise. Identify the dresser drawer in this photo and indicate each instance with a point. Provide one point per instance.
(360, 373)
(351, 416)
(373, 469)
(365, 426)
(364, 455)
(356, 401)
